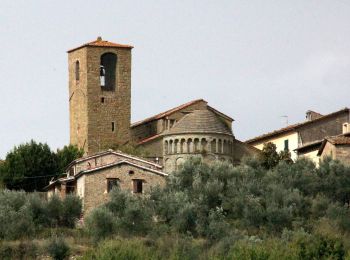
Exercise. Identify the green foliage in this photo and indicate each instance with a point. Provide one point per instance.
(71, 210)
(58, 248)
(100, 223)
(66, 155)
(22, 215)
(30, 166)
(27, 161)
(270, 158)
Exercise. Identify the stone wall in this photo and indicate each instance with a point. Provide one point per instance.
(149, 129)
(93, 111)
(343, 154)
(325, 127)
(95, 186)
(108, 158)
(210, 147)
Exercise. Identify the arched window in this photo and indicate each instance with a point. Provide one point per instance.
(77, 70)
(108, 69)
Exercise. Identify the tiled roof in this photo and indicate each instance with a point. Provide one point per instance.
(343, 139)
(110, 151)
(168, 112)
(200, 121)
(294, 127)
(119, 163)
(101, 43)
(337, 140)
(148, 139)
(309, 145)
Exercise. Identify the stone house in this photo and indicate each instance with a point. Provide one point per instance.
(93, 177)
(305, 138)
(336, 147)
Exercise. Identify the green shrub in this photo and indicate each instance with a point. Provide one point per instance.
(71, 210)
(100, 223)
(58, 249)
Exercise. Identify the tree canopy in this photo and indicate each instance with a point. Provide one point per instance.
(31, 165)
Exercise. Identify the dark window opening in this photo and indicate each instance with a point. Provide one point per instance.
(71, 171)
(131, 172)
(286, 145)
(77, 70)
(108, 68)
(113, 127)
(137, 184)
(112, 183)
(102, 99)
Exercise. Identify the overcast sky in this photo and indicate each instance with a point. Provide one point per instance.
(253, 60)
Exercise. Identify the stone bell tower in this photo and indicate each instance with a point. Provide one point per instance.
(99, 95)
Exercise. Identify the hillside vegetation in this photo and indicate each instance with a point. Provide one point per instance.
(261, 209)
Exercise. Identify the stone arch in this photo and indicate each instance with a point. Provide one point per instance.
(204, 144)
(196, 145)
(179, 162)
(108, 69)
(168, 165)
(219, 146)
(176, 148)
(171, 148)
(213, 146)
(166, 148)
(183, 146)
(189, 146)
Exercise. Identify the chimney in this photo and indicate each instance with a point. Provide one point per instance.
(346, 128)
(312, 115)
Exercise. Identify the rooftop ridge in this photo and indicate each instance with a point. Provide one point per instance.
(101, 43)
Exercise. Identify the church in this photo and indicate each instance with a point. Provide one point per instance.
(100, 113)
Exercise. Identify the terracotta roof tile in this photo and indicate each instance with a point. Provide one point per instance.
(148, 139)
(101, 43)
(200, 121)
(167, 113)
(337, 140)
(294, 127)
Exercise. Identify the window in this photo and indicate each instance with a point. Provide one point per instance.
(77, 70)
(102, 99)
(286, 145)
(113, 126)
(137, 185)
(108, 68)
(112, 183)
(131, 172)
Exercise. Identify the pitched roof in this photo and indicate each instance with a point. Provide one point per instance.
(168, 112)
(294, 127)
(75, 177)
(119, 163)
(110, 151)
(200, 121)
(101, 43)
(148, 139)
(310, 145)
(343, 139)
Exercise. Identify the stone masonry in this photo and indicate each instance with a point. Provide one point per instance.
(92, 109)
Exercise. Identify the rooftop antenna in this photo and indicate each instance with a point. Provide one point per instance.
(286, 118)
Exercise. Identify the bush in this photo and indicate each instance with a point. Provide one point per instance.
(71, 210)
(15, 215)
(58, 248)
(100, 223)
